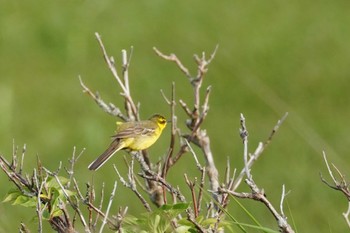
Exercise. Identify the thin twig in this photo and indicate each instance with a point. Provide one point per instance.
(244, 135)
(168, 160)
(346, 215)
(24, 228)
(187, 110)
(64, 191)
(110, 62)
(72, 162)
(191, 185)
(329, 169)
(340, 185)
(62, 206)
(108, 207)
(39, 210)
(151, 175)
(173, 57)
(22, 159)
(195, 223)
(201, 188)
(259, 150)
(283, 196)
(108, 108)
(259, 195)
(125, 65)
(199, 166)
(197, 135)
(132, 185)
(275, 129)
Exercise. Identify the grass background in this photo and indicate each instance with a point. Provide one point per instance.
(274, 57)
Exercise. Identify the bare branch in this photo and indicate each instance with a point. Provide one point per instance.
(196, 224)
(22, 159)
(259, 195)
(108, 108)
(259, 150)
(191, 185)
(72, 162)
(256, 193)
(39, 210)
(244, 136)
(23, 228)
(346, 215)
(283, 195)
(197, 135)
(173, 57)
(69, 227)
(129, 105)
(168, 160)
(340, 185)
(199, 166)
(187, 110)
(110, 63)
(201, 188)
(108, 207)
(275, 129)
(132, 185)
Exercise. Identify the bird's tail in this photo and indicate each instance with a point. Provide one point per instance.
(111, 150)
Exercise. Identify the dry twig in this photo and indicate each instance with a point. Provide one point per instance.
(258, 151)
(340, 185)
(256, 193)
(132, 184)
(197, 135)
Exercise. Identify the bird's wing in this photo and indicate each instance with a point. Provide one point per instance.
(134, 131)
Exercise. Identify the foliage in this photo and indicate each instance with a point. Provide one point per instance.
(50, 197)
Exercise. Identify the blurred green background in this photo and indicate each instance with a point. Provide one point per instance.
(274, 57)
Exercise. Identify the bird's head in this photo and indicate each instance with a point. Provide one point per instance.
(159, 120)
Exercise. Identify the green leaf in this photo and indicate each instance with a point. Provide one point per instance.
(68, 192)
(46, 214)
(25, 201)
(52, 182)
(55, 201)
(171, 211)
(178, 206)
(182, 229)
(12, 195)
(184, 222)
(181, 206)
(166, 207)
(192, 230)
(156, 221)
(200, 218)
(57, 212)
(209, 221)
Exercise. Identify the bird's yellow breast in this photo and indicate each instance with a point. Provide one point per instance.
(142, 142)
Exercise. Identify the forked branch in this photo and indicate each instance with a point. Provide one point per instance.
(339, 184)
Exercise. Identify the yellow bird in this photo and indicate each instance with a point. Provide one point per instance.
(135, 136)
